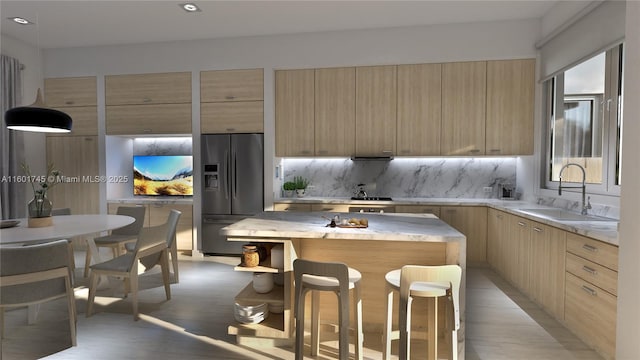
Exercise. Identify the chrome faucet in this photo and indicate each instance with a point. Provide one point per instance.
(586, 205)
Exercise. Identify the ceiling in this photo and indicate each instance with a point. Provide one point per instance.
(61, 24)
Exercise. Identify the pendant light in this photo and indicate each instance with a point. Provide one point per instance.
(38, 117)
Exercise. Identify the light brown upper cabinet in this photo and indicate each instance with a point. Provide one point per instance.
(145, 89)
(76, 97)
(510, 101)
(148, 104)
(75, 91)
(294, 102)
(376, 106)
(464, 88)
(419, 109)
(335, 111)
(232, 101)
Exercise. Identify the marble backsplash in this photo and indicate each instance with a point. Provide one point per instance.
(403, 178)
(162, 146)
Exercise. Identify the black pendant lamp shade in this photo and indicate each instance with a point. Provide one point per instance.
(36, 117)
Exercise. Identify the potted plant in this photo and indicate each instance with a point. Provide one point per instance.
(39, 208)
(301, 185)
(289, 187)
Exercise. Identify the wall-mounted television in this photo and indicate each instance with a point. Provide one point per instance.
(162, 175)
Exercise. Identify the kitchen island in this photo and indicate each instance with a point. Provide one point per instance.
(389, 242)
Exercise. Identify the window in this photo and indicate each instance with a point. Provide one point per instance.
(584, 112)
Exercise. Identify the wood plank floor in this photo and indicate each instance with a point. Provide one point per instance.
(501, 323)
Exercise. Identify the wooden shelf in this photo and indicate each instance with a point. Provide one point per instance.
(275, 296)
(272, 327)
(264, 266)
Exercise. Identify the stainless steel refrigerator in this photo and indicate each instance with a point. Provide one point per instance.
(233, 185)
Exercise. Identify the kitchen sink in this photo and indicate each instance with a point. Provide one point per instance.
(563, 215)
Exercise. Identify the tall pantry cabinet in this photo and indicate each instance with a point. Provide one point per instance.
(75, 154)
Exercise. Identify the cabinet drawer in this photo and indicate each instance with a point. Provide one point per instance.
(590, 313)
(594, 250)
(149, 119)
(65, 92)
(330, 207)
(292, 207)
(418, 209)
(231, 85)
(166, 88)
(598, 275)
(232, 117)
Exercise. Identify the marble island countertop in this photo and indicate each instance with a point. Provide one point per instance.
(313, 225)
(604, 229)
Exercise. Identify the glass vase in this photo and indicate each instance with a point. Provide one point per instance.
(40, 206)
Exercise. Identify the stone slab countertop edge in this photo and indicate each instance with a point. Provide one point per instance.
(605, 231)
(159, 201)
(312, 225)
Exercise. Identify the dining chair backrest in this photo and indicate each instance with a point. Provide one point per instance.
(35, 260)
(149, 236)
(136, 212)
(443, 273)
(61, 211)
(172, 221)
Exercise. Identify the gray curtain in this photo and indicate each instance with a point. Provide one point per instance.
(12, 197)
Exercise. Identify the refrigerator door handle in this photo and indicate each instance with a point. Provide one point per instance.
(235, 174)
(226, 174)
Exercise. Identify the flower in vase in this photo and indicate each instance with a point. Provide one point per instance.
(40, 206)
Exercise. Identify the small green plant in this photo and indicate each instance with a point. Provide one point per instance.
(300, 182)
(289, 185)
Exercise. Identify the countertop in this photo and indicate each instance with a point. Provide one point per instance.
(606, 231)
(313, 225)
(153, 200)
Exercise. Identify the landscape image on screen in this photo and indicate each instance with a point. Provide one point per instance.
(163, 175)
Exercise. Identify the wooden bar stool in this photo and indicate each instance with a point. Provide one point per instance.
(327, 276)
(426, 282)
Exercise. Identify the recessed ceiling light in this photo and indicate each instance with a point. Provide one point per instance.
(190, 7)
(20, 20)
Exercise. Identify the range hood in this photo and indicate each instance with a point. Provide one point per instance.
(372, 158)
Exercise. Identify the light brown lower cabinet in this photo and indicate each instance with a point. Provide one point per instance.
(591, 292)
(291, 207)
(472, 222)
(547, 263)
(572, 277)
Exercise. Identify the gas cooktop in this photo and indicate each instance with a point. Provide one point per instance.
(372, 198)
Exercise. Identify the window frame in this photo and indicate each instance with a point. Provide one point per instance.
(612, 123)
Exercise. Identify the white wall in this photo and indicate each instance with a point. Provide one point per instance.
(628, 346)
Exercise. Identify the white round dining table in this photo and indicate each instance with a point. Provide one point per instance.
(64, 226)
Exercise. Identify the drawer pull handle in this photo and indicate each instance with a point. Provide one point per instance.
(537, 229)
(589, 270)
(499, 216)
(590, 248)
(229, 97)
(520, 223)
(589, 290)
(146, 100)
